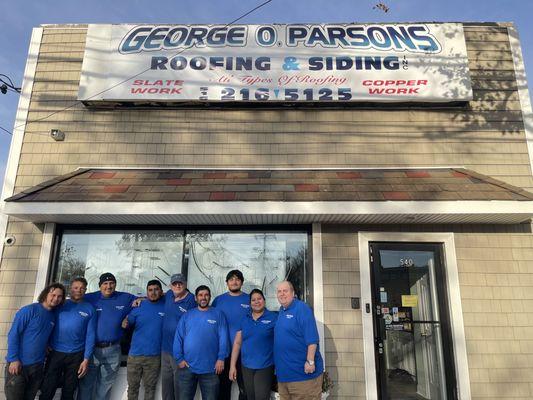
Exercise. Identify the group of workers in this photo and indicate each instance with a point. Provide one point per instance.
(75, 343)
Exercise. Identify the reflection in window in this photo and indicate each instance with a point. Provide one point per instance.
(264, 259)
(133, 257)
(136, 256)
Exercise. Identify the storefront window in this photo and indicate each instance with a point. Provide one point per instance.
(136, 256)
(264, 259)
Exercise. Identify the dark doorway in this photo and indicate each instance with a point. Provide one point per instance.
(411, 328)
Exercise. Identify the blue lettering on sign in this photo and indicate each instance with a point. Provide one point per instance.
(411, 38)
(153, 38)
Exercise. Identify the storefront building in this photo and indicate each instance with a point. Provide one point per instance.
(386, 170)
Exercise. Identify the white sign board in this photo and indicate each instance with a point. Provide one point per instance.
(273, 63)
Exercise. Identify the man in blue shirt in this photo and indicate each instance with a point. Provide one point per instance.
(299, 366)
(200, 348)
(144, 360)
(178, 300)
(111, 308)
(72, 343)
(235, 305)
(26, 344)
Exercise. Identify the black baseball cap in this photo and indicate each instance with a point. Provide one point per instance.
(108, 276)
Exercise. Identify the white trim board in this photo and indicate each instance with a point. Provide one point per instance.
(236, 212)
(20, 125)
(523, 91)
(240, 168)
(318, 288)
(454, 305)
(44, 259)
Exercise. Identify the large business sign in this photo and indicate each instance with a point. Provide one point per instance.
(276, 63)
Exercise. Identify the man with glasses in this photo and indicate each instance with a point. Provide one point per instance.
(178, 300)
(299, 365)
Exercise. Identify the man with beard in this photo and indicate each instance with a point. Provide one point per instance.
(144, 360)
(178, 300)
(72, 344)
(27, 341)
(200, 347)
(235, 305)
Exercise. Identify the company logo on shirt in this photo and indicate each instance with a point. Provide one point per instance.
(212, 321)
(266, 321)
(83, 314)
(98, 309)
(182, 309)
(119, 307)
(162, 314)
(289, 316)
(52, 323)
(245, 305)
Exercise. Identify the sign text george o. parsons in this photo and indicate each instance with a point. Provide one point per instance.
(284, 63)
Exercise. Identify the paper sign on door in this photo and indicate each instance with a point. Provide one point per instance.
(410, 300)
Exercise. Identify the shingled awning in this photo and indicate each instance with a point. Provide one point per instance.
(186, 196)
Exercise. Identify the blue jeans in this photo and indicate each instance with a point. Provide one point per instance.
(103, 369)
(188, 381)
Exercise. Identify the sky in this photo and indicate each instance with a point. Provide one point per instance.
(19, 17)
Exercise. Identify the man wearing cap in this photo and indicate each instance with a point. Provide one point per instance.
(144, 359)
(111, 308)
(178, 300)
(299, 365)
(234, 304)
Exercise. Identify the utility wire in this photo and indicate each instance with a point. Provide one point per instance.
(134, 76)
(5, 130)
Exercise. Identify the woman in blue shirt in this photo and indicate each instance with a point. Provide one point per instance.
(255, 342)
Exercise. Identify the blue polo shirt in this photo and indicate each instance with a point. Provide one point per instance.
(234, 308)
(295, 330)
(147, 321)
(28, 337)
(201, 339)
(111, 311)
(257, 350)
(75, 328)
(174, 310)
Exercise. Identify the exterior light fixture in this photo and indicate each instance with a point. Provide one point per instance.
(57, 135)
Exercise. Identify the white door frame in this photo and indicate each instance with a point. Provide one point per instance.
(454, 304)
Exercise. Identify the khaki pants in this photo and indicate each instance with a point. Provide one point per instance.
(145, 368)
(303, 390)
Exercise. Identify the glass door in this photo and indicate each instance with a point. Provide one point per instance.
(410, 322)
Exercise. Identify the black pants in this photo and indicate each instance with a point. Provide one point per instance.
(258, 382)
(225, 383)
(61, 368)
(25, 385)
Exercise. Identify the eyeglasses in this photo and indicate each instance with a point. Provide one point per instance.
(178, 284)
